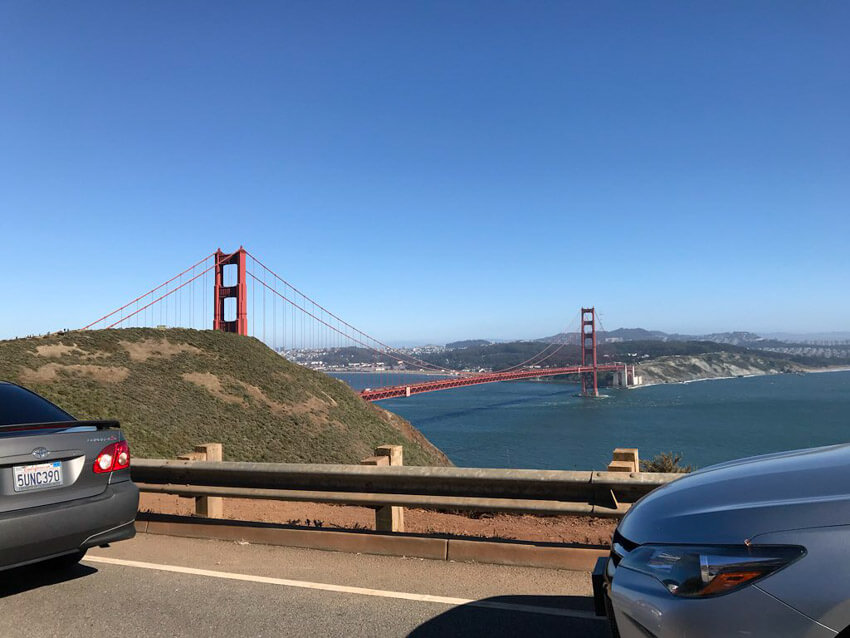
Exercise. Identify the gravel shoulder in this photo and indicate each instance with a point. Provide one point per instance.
(582, 530)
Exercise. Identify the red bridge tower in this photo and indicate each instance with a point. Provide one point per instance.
(589, 381)
(239, 291)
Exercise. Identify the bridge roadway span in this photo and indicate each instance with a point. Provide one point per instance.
(167, 586)
(392, 392)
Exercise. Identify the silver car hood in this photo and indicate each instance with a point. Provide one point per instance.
(735, 501)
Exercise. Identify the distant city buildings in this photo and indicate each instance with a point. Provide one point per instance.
(825, 352)
(356, 359)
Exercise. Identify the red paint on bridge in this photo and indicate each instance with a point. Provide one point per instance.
(396, 391)
(237, 291)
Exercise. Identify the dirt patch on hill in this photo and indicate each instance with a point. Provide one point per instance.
(217, 388)
(312, 405)
(58, 350)
(329, 398)
(150, 348)
(50, 371)
(584, 530)
(212, 383)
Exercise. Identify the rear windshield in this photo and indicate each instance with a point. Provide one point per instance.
(22, 406)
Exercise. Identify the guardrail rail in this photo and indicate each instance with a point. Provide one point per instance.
(540, 492)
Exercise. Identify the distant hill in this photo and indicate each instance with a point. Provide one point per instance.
(469, 343)
(620, 334)
(498, 356)
(739, 338)
(677, 368)
(635, 334)
(794, 337)
(747, 339)
(173, 389)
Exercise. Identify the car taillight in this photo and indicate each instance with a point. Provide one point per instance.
(115, 456)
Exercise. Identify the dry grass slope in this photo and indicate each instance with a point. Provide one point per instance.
(175, 388)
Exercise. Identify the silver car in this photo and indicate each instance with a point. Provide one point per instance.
(755, 547)
(64, 484)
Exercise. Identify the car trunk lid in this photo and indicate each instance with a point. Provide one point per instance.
(34, 456)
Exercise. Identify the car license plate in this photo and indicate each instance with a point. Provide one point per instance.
(39, 476)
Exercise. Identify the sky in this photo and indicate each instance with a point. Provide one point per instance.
(433, 171)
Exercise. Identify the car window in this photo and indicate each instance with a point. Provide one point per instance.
(18, 405)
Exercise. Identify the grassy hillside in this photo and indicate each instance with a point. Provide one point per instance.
(172, 389)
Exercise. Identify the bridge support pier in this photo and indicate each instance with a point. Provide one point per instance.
(589, 379)
(626, 377)
(239, 292)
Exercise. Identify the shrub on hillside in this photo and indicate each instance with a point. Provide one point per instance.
(666, 462)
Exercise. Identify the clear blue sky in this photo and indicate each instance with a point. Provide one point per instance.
(434, 170)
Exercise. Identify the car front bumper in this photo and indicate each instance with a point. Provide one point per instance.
(38, 533)
(638, 606)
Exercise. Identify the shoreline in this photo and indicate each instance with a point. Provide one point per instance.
(743, 376)
(823, 370)
(426, 372)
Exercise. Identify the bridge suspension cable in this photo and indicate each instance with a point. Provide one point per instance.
(325, 323)
(142, 299)
(529, 361)
(362, 338)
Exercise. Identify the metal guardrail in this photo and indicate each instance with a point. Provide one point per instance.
(543, 492)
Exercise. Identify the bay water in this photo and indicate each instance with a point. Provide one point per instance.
(545, 425)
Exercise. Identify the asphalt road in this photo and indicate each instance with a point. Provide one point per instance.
(166, 586)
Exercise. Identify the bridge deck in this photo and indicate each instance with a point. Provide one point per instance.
(391, 392)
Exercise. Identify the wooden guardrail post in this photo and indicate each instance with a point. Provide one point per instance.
(389, 518)
(207, 506)
(625, 459)
(394, 452)
(396, 514)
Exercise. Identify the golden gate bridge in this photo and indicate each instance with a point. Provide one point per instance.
(250, 299)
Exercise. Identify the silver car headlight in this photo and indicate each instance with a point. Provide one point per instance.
(695, 571)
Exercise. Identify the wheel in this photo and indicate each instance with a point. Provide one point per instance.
(66, 561)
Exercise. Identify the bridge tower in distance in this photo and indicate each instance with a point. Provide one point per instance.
(589, 381)
(238, 291)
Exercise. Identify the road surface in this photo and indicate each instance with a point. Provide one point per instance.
(167, 586)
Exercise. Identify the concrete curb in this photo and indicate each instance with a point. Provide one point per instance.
(546, 555)
(329, 540)
(524, 554)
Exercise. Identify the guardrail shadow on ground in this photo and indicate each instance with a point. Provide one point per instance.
(505, 616)
(23, 579)
(212, 523)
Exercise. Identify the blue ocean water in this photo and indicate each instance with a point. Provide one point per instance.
(543, 424)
